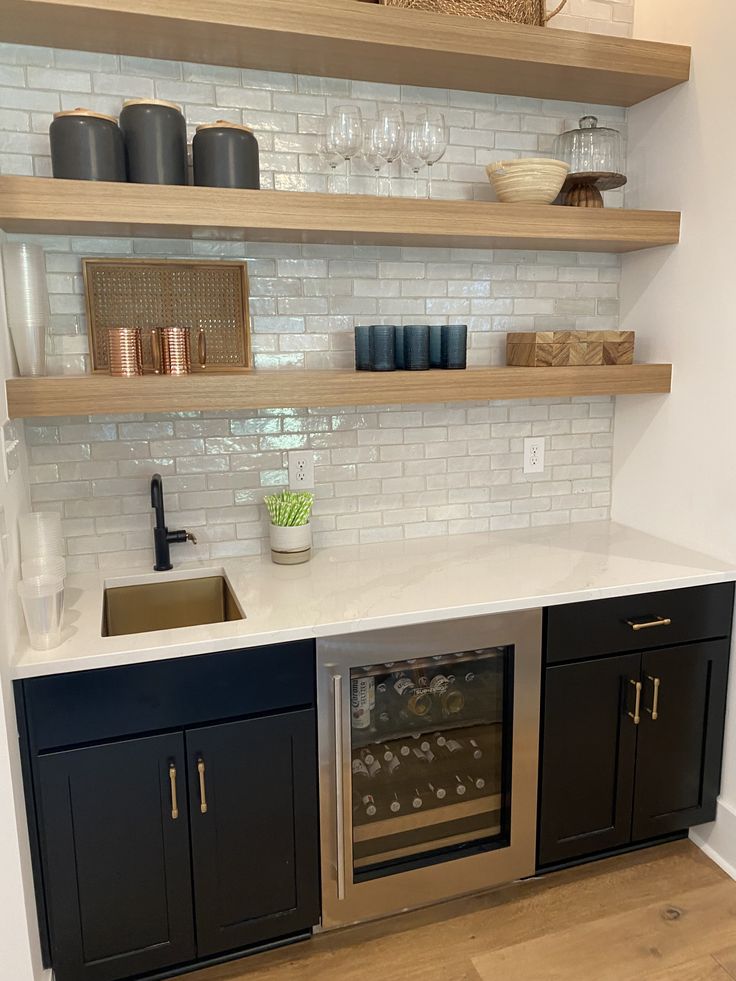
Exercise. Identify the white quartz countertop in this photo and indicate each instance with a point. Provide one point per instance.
(354, 588)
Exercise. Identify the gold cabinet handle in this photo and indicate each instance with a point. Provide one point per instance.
(202, 786)
(174, 799)
(654, 710)
(636, 714)
(646, 624)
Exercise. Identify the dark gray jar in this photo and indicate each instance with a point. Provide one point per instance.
(155, 141)
(226, 155)
(86, 146)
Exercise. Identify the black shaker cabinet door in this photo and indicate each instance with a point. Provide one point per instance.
(588, 752)
(253, 802)
(678, 764)
(116, 858)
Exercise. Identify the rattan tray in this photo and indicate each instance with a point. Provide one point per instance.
(152, 293)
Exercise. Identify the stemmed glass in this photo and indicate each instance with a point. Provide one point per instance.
(390, 136)
(412, 156)
(373, 151)
(432, 140)
(346, 129)
(328, 153)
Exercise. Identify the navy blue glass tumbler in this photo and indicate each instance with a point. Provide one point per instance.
(454, 346)
(363, 360)
(435, 346)
(383, 348)
(416, 347)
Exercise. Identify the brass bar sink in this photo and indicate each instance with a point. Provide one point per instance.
(165, 605)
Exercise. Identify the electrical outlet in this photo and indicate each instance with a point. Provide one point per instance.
(301, 470)
(534, 454)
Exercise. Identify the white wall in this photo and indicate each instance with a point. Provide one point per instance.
(20, 958)
(675, 457)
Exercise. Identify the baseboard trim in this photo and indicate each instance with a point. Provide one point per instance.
(718, 840)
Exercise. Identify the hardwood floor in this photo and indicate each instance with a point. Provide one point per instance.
(664, 914)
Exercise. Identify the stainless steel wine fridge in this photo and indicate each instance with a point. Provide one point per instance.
(428, 762)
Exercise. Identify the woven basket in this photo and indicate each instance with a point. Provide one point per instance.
(510, 11)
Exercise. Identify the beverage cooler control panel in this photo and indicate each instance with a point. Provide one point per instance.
(428, 761)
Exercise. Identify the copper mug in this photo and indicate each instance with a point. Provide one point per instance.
(124, 351)
(170, 347)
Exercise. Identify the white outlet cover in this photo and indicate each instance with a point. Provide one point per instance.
(301, 470)
(534, 454)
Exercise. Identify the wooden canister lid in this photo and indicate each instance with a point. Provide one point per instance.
(79, 111)
(151, 102)
(224, 124)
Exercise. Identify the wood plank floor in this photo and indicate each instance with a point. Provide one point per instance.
(664, 914)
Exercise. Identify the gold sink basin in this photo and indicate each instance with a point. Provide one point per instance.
(168, 604)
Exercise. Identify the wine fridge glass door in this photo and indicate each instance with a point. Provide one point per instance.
(428, 761)
(429, 757)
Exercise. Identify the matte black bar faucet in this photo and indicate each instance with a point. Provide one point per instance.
(162, 537)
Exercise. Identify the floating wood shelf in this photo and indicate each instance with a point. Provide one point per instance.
(47, 206)
(94, 394)
(345, 39)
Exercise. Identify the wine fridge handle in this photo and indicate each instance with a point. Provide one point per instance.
(339, 786)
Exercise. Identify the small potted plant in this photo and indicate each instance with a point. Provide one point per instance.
(291, 532)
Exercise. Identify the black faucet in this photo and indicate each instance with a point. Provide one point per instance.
(162, 537)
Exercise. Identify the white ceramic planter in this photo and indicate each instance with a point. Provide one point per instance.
(291, 545)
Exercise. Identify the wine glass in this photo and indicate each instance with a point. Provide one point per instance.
(390, 127)
(373, 151)
(432, 140)
(411, 155)
(346, 127)
(328, 153)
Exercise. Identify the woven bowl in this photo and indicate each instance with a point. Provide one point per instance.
(531, 180)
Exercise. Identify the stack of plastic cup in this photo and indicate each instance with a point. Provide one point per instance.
(44, 569)
(27, 304)
(43, 606)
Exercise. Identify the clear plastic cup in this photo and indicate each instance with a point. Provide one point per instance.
(43, 607)
(27, 304)
(52, 565)
(40, 535)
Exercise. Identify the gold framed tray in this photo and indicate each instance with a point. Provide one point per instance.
(156, 293)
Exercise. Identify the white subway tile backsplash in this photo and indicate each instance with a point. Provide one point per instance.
(382, 473)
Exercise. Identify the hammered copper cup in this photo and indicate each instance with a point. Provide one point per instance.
(126, 355)
(171, 350)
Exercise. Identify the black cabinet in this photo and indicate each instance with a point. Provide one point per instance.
(678, 760)
(116, 858)
(589, 750)
(254, 825)
(161, 850)
(632, 742)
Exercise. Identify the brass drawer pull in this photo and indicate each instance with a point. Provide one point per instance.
(174, 799)
(202, 786)
(644, 625)
(636, 714)
(654, 710)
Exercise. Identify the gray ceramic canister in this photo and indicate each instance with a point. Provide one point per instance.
(86, 146)
(155, 141)
(226, 155)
